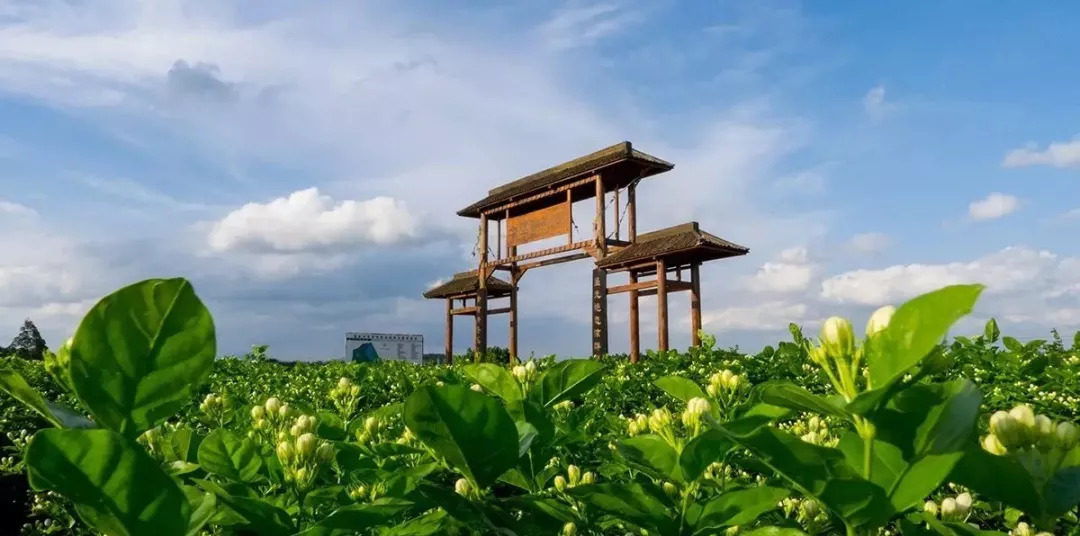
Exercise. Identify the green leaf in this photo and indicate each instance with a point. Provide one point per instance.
(991, 332)
(786, 394)
(922, 433)
(262, 517)
(631, 502)
(12, 383)
(818, 471)
(740, 507)
(775, 531)
(651, 453)
(708, 447)
(142, 353)
(680, 388)
(471, 430)
(203, 507)
(496, 379)
(916, 328)
(998, 478)
(1063, 491)
(351, 519)
(330, 426)
(117, 488)
(1012, 344)
(227, 454)
(567, 379)
(533, 414)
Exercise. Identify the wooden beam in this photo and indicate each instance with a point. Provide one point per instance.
(661, 307)
(550, 262)
(566, 187)
(449, 331)
(695, 305)
(635, 339)
(631, 213)
(513, 313)
(499, 311)
(542, 253)
(601, 220)
(480, 335)
(467, 310)
(648, 288)
(618, 243)
(634, 285)
(618, 225)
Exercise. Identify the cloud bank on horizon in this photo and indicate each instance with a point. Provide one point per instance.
(302, 163)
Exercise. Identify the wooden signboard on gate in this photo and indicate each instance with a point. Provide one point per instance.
(538, 225)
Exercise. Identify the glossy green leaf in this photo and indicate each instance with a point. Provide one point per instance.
(260, 516)
(916, 328)
(351, 519)
(788, 395)
(922, 433)
(227, 454)
(330, 426)
(708, 447)
(991, 332)
(740, 507)
(142, 353)
(203, 507)
(496, 379)
(651, 453)
(568, 379)
(117, 488)
(680, 388)
(13, 383)
(774, 531)
(999, 478)
(818, 471)
(471, 430)
(631, 502)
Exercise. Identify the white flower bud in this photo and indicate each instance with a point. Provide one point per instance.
(569, 529)
(560, 483)
(588, 478)
(285, 452)
(354, 390)
(476, 387)
(574, 474)
(931, 508)
(257, 412)
(1023, 529)
(325, 453)
(344, 383)
(963, 504)
(519, 372)
(273, 405)
(991, 444)
(306, 444)
(879, 320)
(530, 367)
(670, 489)
(837, 337)
(462, 487)
(948, 508)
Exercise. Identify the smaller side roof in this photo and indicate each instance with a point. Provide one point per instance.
(466, 284)
(680, 243)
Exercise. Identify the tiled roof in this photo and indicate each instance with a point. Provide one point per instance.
(621, 162)
(467, 283)
(683, 241)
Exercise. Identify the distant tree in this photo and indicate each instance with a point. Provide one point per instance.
(28, 344)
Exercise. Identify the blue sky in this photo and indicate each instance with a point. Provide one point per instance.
(302, 164)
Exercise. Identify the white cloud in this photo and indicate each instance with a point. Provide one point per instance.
(1063, 154)
(994, 206)
(874, 103)
(764, 316)
(866, 243)
(576, 26)
(308, 221)
(1009, 270)
(10, 208)
(792, 272)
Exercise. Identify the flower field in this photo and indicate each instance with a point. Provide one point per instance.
(133, 427)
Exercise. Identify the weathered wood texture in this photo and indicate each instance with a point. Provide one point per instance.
(538, 225)
(599, 313)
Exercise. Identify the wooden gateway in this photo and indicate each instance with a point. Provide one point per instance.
(540, 207)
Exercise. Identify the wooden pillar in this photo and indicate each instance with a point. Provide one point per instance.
(601, 219)
(631, 213)
(480, 337)
(618, 224)
(449, 331)
(661, 306)
(635, 338)
(695, 305)
(599, 316)
(511, 251)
